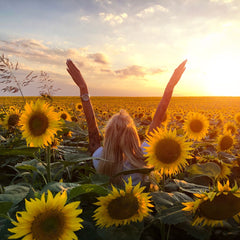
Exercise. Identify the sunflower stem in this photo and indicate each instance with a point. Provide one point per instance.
(163, 181)
(168, 232)
(48, 160)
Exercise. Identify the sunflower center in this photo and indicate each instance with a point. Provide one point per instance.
(48, 225)
(168, 150)
(13, 120)
(196, 125)
(226, 143)
(38, 124)
(123, 207)
(64, 116)
(221, 207)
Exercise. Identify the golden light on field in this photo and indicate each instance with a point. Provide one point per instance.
(222, 76)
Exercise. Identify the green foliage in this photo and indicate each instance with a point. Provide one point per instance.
(23, 175)
(209, 169)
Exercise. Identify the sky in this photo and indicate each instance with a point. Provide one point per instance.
(124, 47)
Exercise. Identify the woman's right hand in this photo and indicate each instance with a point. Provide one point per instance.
(76, 76)
(177, 74)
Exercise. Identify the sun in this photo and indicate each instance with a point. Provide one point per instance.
(221, 76)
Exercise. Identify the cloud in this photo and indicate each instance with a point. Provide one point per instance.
(34, 51)
(38, 52)
(95, 67)
(113, 19)
(104, 1)
(98, 58)
(84, 18)
(222, 1)
(151, 10)
(137, 71)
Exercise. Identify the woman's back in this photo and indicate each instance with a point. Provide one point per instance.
(122, 149)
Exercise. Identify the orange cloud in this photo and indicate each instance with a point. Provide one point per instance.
(137, 71)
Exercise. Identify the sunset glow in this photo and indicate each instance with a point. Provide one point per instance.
(222, 76)
(126, 48)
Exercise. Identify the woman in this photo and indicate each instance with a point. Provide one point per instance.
(121, 149)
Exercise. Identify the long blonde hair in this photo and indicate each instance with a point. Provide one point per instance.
(121, 142)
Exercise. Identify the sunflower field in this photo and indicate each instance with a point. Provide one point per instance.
(49, 188)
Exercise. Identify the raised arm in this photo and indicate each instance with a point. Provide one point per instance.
(93, 131)
(163, 105)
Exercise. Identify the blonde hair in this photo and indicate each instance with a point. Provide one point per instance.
(121, 143)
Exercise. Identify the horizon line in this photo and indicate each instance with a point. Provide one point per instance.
(120, 96)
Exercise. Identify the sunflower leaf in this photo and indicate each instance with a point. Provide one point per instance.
(87, 188)
(58, 186)
(26, 167)
(190, 187)
(173, 215)
(33, 165)
(197, 232)
(210, 169)
(5, 206)
(15, 152)
(14, 193)
(99, 179)
(163, 200)
(125, 232)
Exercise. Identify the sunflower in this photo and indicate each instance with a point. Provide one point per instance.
(213, 207)
(65, 116)
(237, 118)
(178, 117)
(39, 123)
(167, 151)
(48, 219)
(55, 143)
(122, 207)
(230, 127)
(78, 106)
(12, 119)
(225, 142)
(196, 126)
(74, 119)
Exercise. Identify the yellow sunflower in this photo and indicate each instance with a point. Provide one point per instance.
(225, 142)
(39, 123)
(237, 118)
(48, 219)
(230, 127)
(65, 116)
(78, 106)
(167, 152)
(12, 119)
(196, 126)
(122, 207)
(213, 207)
